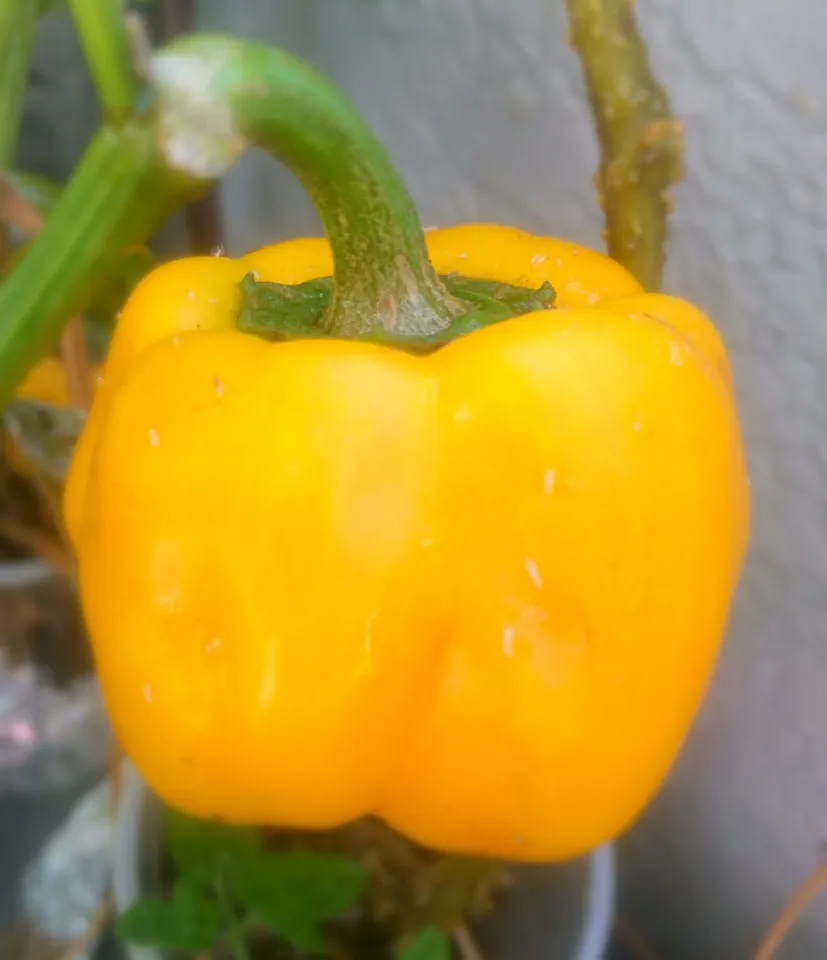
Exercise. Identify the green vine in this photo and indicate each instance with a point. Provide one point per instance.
(17, 23)
(102, 30)
(641, 145)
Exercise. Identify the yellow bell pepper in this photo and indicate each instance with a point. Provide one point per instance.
(477, 591)
(47, 382)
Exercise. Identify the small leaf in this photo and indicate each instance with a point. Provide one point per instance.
(187, 921)
(203, 850)
(293, 894)
(277, 311)
(430, 944)
(44, 434)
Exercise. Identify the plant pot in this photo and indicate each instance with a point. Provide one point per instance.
(54, 744)
(560, 911)
(54, 732)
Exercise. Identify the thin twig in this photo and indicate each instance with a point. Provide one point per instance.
(632, 942)
(791, 912)
(641, 144)
(115, 773)
(50, 496)
(466, 945)
(40, 544)
(16, 210)
(75, 359)
(85, 939)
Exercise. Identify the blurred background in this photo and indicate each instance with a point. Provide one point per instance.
(482, 107)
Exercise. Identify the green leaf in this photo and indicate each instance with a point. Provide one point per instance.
(501, 300)
(430, 944)
(294, 893)
(187, 921)
(204, 850)
(277, 311)
(229, 882)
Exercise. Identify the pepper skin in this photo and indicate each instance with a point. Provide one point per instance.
(479, 593)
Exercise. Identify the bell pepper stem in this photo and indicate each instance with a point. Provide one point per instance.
(17, 23)
(213, 97)
(219, 94)
(101, 27)
(120, 193)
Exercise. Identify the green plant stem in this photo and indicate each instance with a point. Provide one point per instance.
(235, 933)
(100, 25)
(213, 97)
(17, 22)
(640, 141)
(119, 194)
(203, 217)
(219, 94)
(237, 943)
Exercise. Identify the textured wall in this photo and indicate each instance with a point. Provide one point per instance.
(481, 104)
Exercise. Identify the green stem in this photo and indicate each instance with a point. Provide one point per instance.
(235, 933)
(119, 194)
(100, 25)
(17, 22)
(219, 94)
(640, 141)
(237, 942)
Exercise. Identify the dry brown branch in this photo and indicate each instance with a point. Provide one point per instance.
(466, 944)
(115, 774)
(791, 912)
(49, 494)
(641, 144)
(39, 543)
(91, 933)
(16, 211)
(75, 358)
(632, 942)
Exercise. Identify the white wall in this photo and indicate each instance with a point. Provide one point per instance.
(481, 104)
